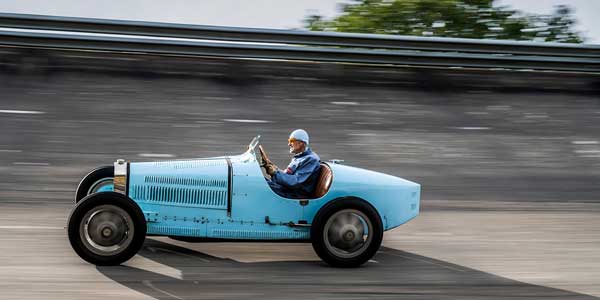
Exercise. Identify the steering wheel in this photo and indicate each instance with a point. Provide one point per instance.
(262, 159)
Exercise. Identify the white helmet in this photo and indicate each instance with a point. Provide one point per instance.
(299, 134)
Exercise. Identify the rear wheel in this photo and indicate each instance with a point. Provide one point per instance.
(346, 232)
(99, 180)
(106, 228)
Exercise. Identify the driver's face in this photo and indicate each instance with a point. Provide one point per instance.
(296, 146)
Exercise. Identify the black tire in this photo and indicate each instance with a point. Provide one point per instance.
(93, 244)
(362, 210)
(95, 176)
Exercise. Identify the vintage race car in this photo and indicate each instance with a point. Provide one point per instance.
(228, 198)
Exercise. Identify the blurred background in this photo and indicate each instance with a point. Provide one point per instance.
(465, 135)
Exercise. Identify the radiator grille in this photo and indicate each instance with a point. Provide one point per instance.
(185, 181)
(209, 198)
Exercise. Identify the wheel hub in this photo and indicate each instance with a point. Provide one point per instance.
(349, 236)
(346, 232)
(106, 230)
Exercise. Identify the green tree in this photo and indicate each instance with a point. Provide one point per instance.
(477, 19)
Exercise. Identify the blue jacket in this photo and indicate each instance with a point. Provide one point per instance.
(299, 179)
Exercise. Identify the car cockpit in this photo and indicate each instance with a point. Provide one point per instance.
(324, 176)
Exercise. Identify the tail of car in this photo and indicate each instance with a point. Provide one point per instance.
(397, 200)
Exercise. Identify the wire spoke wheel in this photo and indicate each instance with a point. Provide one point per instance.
(106, 230)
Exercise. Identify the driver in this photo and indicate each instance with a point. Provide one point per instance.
(299, 179)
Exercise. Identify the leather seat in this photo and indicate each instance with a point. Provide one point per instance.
(323, 181)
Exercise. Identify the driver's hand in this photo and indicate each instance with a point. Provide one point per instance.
(271, 168)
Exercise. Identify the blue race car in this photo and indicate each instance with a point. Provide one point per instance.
(228, 198)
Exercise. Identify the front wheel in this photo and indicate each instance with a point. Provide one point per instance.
(346, 232)
(106, 228)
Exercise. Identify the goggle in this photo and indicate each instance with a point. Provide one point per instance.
(291, 140)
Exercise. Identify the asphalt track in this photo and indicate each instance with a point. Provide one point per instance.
(451, 253)
(509, 164)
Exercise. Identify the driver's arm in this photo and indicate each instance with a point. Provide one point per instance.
(303, 172)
